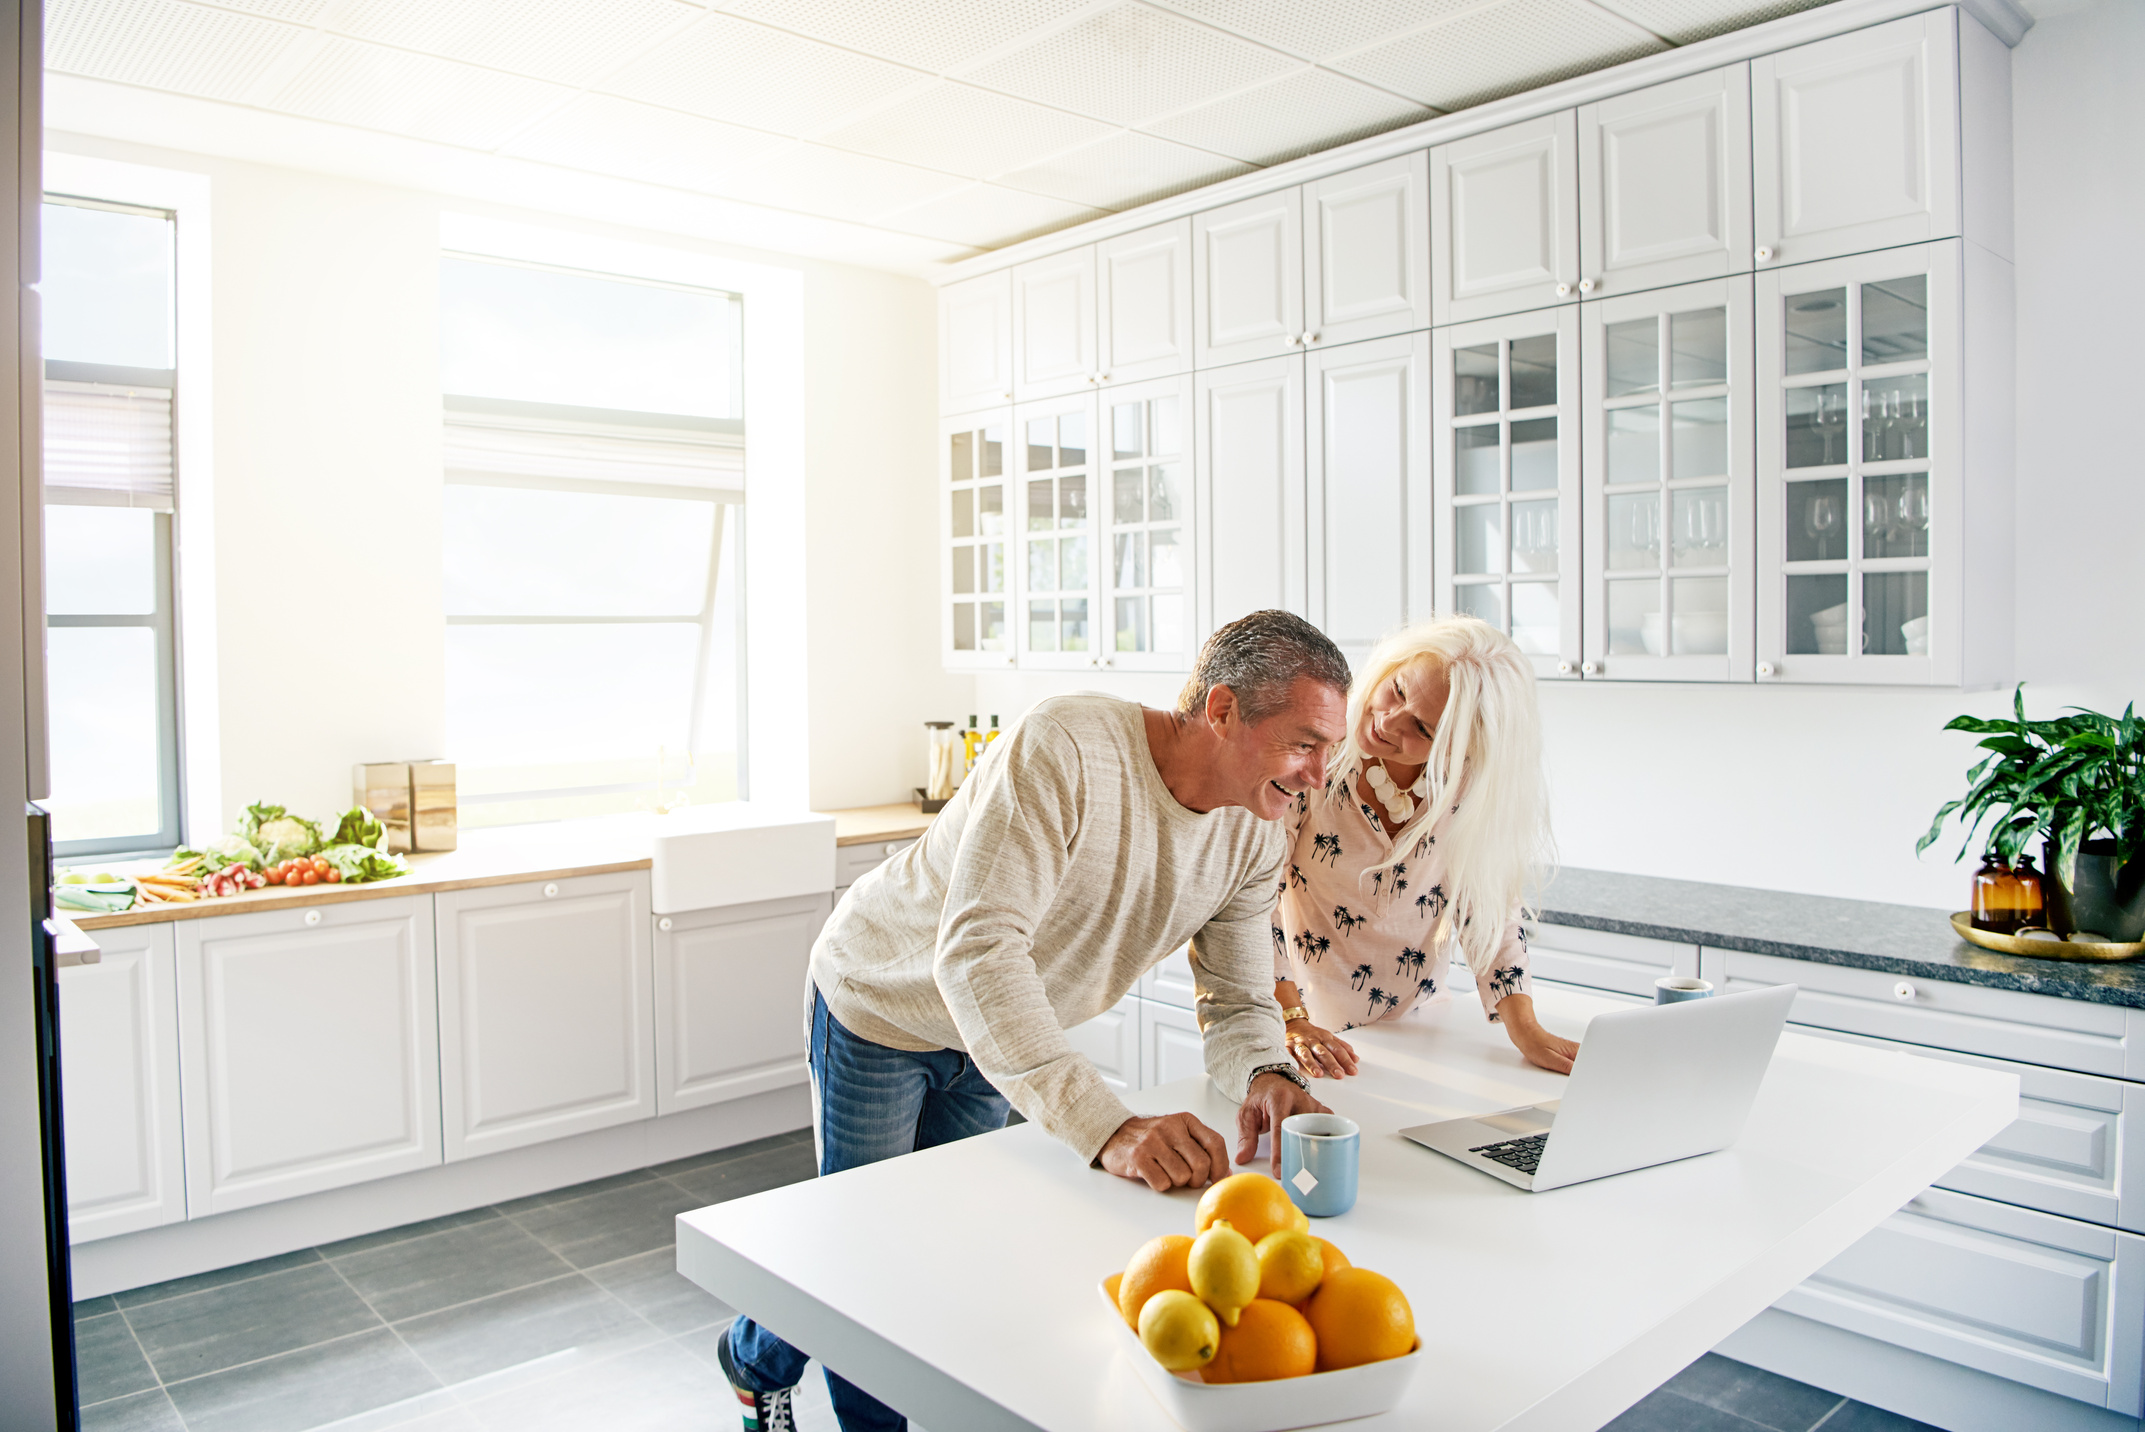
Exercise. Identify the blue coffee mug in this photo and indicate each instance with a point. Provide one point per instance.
(1318, 1162)
(1674, 989)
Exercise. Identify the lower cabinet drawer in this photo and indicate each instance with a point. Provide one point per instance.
(1599, 959)
(2046, 1301)
(1111, 1041)
(851, 861)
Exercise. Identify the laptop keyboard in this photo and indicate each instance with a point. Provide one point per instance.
(1525, 1155)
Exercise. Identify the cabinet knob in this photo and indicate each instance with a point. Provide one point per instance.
(1102, 377)
(1765, 255)
(1588, 285)
(1766, 668)
(1309, 339)
(893, 847)
(1903, 990)
(1590, 668)
(1005, 397)
(1564, 290)
(312, 917)
(663, 924)
(1564, 668)
(551, 888)
(1011, 660)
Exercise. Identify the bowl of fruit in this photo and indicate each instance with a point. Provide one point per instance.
(1254, 1324)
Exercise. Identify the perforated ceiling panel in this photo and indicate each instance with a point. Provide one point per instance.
(1130, 64)
(1502, 50)
(1315, 29)
(1301, 114)
(812, 179)
(936, 36)
(569, 41)
(1682, 21)
(376, 88)
(985, 215)
(162, 44)
(638, 141)
(964, 130)
(298, 12)
(731, 69)
(1122, 171)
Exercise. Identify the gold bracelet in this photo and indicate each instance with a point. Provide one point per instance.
(1293, 1013)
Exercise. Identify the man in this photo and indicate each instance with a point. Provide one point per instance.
(1094, 838)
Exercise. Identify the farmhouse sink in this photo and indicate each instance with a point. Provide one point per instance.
(738, 852)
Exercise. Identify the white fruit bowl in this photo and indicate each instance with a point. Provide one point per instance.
(1276, 1406)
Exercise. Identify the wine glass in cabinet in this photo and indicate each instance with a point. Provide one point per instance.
(1669, 457)
(975, 536)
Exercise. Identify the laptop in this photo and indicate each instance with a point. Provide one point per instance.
(1651, 1085)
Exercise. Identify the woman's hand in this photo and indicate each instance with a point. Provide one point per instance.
(1319, 1053)
(1541, 1048)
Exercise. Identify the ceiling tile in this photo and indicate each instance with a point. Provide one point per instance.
(1491, 53)
(936, 36)
(732, 69)
(638, 141)
(349, 82)
(1315, 29)
(1302, 114)
(964, 130)
(813, 179)
(162, 44)
(298, 12)
(566, 40)
(1682, 21)
(986, 216)
(1131, 64)
(1123, 171)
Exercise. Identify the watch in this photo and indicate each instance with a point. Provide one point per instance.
(1286, 1071)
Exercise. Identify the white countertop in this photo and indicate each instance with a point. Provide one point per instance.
(959, 1283)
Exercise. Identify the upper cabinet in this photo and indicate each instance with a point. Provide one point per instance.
(1366, 252)
(975, 343)
(1248, 445)
(1367, 487)
(974, 539)
(1054, 325)
(1664, 184)
(1247, 279)
(1856, 141)
(1504, 215)
(1149, 569)
(1143, 306)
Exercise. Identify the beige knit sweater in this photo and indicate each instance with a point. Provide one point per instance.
(1061, 871)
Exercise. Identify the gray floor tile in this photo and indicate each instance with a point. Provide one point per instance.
(143, 1412)
(578, 1190)
(240, 1322)
(1778, 1403)
(295, 1391)
(1663, 1411)
(756, 1173)
(658, 1388)
(221, 1277)
(95, 1307)
(701, 1343)
(510, 1329)
(651, 1285)
(1861, 1417)
(368, 1241)
(614, 1224)
(453, 1265)
(108, 1362)
(735, 1151)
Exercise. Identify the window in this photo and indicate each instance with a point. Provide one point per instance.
(111, 657)
(592, 519)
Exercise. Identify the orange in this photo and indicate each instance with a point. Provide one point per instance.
(1269, 1340)
(1335, 1258)
(1112, 1283)
(1359, 1316)
(1162, 1262)
(1253, 1204)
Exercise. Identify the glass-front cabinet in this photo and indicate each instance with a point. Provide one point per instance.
(975, 539)
(1858, 516)
(1055, 447)
(1146, 503)
(1669, 463)
(1506, 474)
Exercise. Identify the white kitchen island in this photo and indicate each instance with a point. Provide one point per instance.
(958, 1284)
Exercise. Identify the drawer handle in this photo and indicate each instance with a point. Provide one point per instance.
(663, 924)
(312, 917)
(1902, 991)
(551, 889)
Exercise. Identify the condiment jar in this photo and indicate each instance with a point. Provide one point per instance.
(1997, 898)
(2032, 893)
(945, 763)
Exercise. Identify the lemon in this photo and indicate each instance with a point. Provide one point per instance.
(1302, 1221)
(1179, 1330)
(1225, 1270)
(1291, 1264)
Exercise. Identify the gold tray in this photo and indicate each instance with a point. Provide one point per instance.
(2093, 951)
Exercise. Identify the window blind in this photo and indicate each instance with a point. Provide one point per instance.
(107, 445)
(493, 445)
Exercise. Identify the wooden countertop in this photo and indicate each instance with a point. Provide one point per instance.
(505, 855)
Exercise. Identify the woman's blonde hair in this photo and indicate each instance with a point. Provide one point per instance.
(1485, 759)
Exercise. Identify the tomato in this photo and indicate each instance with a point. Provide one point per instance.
(275, 876)
(311, 877)
(333, 877)
(320, 867)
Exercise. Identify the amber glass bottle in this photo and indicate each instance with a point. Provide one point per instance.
(1997, 897)
(2032, 894)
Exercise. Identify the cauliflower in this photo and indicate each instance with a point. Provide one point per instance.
(277, 834)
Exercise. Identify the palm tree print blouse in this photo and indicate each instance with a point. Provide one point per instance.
(1363, 947)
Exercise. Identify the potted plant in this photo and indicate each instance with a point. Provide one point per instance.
(2078, 784)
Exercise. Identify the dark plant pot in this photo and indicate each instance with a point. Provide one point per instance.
(2107, 901)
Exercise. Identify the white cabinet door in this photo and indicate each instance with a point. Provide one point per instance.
(1054, 325)
(1669, 472)
(1664, 184)
(2046, 1301)
(1861, 532)
(119, 1074)
(1111, 1041)
(1368, 488)
(308, 1050)
(1146, 556)
(1247, 279)
(1143, 287)
(1366, 250)
(545, 1011)
(1170, 982)
(1506, 472)
(975, 343)
(1249, 453)
(975, 541)
(1855, 141)
(729, 1000)
(1056, 574)
(1170, 1045)
(1505, 209)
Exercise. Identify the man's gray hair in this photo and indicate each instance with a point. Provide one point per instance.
(1259, 657)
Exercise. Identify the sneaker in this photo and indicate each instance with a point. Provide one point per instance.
(763, 1411)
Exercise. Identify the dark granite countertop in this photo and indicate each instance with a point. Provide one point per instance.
(1897, 939)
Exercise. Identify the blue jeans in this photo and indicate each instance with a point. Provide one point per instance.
(874, 1103)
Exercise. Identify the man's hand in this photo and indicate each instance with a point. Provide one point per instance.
(1270, 1100)
(1168, 1151)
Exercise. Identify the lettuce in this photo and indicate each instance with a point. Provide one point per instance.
(359, 826)
(360, 863)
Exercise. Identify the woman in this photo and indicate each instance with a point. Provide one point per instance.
(1432, 819)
